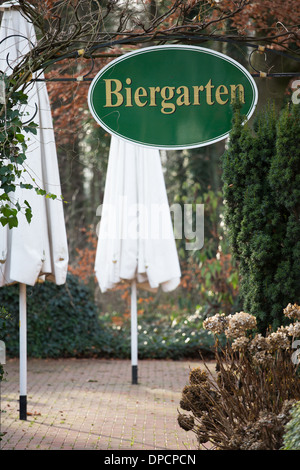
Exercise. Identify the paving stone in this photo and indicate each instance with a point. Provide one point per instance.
(90, 404)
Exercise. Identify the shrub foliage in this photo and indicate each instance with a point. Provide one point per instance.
(64, 321)
(61, 320)
(291, 438)
(261, 175)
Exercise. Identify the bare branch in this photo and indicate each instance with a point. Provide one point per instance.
(81, 27)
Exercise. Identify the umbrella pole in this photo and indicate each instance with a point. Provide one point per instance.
(23, 352)
(134, 348)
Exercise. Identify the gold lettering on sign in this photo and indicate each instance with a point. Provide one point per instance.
(221, 90)
(209, 88)
(153, 91)
(116, 92)
(140, 93)
(167, 93)
(184, 96)
(128, 92)
(241, 93)
(166, 97)
(197, 90)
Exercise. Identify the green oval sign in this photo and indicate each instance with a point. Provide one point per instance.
(171, 97)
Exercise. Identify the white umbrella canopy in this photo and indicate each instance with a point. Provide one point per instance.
(39, 249)
(136, 241)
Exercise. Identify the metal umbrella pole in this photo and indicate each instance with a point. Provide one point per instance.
(134, 333)
(23, 352)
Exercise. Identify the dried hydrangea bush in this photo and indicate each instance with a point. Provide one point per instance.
(245, 404)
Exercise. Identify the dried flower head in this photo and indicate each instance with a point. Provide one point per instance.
(217, 323)
(197, 376)
(263, 358)
(258, 343)
(228, 381)
(202, 436)
(240, 344)
(197, 398)
(186, 422)
(293, 329)
(278, 340)
(292, 311)
(239, 323)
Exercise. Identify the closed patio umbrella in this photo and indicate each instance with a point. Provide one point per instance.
(136, 241)
(37, 250)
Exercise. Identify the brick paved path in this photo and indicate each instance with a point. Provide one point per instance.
(90, 404)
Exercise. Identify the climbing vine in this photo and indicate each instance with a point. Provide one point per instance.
(13, 146)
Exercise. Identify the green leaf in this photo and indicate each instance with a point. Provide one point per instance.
(20, 137)
(13, 222)
(28, 215)
(41, 192)
(4, 221)
(26, 185)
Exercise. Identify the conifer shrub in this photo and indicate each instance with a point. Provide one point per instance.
(291, 438)
(245, 403)
(261, 188)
